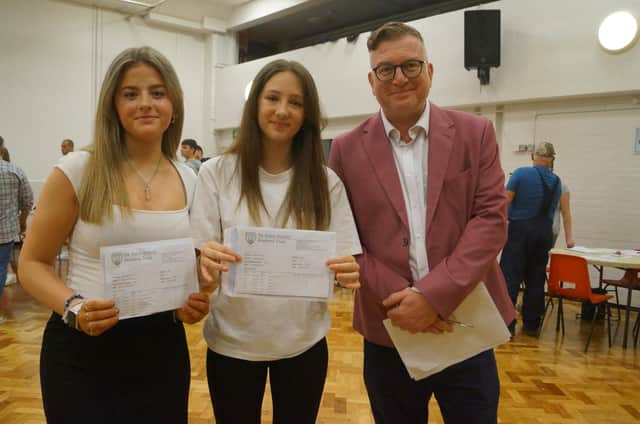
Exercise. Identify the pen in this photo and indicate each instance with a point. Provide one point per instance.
(458, 323)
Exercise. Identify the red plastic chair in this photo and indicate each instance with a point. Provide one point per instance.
(569, 279)
(630, 280)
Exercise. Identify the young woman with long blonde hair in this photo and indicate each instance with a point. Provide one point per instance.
(127, 187)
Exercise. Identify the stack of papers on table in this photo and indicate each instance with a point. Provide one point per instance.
(281, 262)
(424, 354)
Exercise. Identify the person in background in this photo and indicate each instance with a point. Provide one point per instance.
(272, 176)
(66, 146)
(126, 187)
(564, 210)
(198, 153)
(188, 151)
(534, 193)
(426, 188)
(3, 151)
(16, 201)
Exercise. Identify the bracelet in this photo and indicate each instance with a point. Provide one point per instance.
(69, 300)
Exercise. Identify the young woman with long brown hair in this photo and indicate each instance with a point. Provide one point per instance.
(272, 176)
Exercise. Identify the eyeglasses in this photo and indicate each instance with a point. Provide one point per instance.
(410, 69)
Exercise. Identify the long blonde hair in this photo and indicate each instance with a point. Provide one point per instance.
(307, 198)
(103, 183)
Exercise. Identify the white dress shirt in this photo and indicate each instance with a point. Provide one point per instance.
(411, 162)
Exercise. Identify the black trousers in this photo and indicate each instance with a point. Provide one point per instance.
(524, 258)
(136, 372)
(467, 392)
(237, 387)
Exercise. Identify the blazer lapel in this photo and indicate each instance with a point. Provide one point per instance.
(441, 133)
(380, 154)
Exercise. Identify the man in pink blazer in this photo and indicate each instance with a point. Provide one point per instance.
(427, 191)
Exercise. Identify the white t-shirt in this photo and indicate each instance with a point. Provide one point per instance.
(556, 215)
(87, 239)
(261, 328)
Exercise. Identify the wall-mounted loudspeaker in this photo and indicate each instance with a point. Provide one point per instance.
(482, 41)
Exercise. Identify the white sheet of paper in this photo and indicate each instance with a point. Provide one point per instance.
(281, 262)
(599, 250)
(150, 277)
(424, 354)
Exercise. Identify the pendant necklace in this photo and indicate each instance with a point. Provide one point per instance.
(147, 183)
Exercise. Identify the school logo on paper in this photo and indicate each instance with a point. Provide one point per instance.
(116, 258)
(250, 237)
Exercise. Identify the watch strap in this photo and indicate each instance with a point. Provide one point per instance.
(68, 301)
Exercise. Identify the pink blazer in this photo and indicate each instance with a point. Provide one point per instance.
(466, 216)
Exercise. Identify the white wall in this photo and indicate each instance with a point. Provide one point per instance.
(549, 49)
(594, 142)
(53, 56)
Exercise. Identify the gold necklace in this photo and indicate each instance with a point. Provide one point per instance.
(147, 183)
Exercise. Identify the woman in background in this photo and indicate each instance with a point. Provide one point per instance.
(273, 176)
(126, 188)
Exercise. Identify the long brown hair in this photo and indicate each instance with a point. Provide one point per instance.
(307, 198)
(103, 183)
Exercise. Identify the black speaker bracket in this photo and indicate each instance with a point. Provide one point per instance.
(483, 74)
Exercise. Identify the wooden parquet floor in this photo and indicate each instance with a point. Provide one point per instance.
(546, 380)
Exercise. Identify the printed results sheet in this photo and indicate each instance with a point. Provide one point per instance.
(150, 277)
(425, 354)
(281, 262)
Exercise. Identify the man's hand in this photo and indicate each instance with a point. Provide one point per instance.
(410, 311)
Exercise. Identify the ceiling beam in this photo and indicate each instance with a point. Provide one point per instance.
(206, 24)
(260, 11)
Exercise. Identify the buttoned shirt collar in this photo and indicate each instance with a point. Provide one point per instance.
(393, 134)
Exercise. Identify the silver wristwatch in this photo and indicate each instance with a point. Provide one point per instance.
(71, 316)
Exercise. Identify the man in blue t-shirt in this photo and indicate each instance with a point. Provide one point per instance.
(534, 193)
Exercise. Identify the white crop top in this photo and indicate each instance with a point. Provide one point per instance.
(87, 239)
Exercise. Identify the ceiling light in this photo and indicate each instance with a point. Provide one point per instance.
(618, 31)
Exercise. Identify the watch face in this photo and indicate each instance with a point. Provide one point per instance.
(72, 315)
(71, 319)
